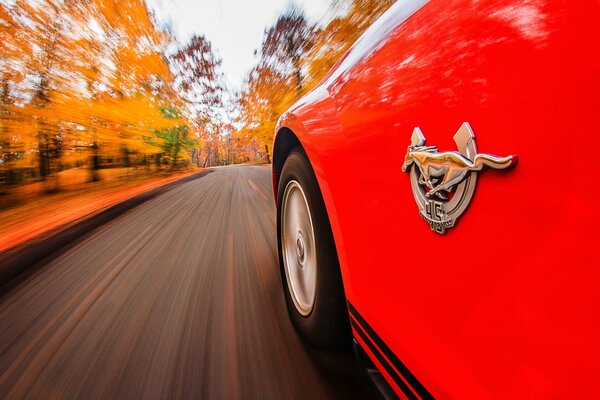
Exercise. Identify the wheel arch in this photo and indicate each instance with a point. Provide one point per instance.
(285, 141)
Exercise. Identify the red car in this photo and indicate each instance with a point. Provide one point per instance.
(401, 204)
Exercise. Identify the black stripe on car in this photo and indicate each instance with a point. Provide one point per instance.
(378, 347)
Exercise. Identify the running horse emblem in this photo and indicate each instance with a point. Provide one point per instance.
(443, 183)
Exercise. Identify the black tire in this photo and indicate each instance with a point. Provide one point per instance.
(326, 325)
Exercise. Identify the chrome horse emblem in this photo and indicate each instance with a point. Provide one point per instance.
(443, 183)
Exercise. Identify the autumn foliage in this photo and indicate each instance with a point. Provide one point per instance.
(99, 84)
(295, 55)
(89, 83)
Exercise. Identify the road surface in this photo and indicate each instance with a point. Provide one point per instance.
(179, 298)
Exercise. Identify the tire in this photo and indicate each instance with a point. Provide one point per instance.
(310, 270)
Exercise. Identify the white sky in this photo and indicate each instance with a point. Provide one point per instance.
(234, 27)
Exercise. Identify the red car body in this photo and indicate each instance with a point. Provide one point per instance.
(506, 304)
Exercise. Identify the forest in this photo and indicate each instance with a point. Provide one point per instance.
(98, 85)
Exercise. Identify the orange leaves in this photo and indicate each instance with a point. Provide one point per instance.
(81, 79)
(295, 56)
(279, 78)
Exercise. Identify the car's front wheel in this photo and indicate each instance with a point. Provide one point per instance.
(309, 265)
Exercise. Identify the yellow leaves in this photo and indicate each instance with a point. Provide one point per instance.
(129, 121)
(266, 97)
(152, 64)
(271, 89)
(82, 75)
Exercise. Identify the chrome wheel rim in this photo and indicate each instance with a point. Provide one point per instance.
(298, 246)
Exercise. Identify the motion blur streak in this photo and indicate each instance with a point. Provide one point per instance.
(294, 56)
(100, 84)
(181, 298)
(84, 82)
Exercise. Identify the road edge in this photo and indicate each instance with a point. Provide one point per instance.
(21, 258)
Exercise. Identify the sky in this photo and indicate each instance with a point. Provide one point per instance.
(234, 27)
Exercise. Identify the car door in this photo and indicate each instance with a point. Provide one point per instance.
(504, 304)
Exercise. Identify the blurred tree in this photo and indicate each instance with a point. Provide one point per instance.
(82, 81)
(140, 77)
(285, 43)
(9, 146)
(12, 48)
(201, 85)
(47, 26)
(294, 57)
(278, 80)
(174, 140)
(197, 78)
(267, 94)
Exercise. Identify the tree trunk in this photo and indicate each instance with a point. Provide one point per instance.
(95, 176)
(43, 159)
(267, 150)
(125, 153)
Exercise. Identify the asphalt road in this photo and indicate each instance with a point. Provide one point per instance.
(179, 298)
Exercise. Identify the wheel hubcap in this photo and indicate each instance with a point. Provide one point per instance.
(300, 249)
(298, 246)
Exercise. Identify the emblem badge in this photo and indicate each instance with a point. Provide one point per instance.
(444, 183)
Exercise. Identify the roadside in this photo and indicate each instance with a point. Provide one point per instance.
(27, 212)
(53, 225)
